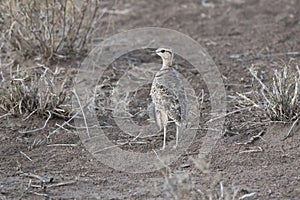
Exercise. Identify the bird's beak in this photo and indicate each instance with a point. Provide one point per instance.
(154, 53)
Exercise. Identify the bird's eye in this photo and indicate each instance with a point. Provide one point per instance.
(163, 51)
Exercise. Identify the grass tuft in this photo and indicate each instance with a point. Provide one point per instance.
(44, 34)
(37, 90)
(280, 99)
(50, 29)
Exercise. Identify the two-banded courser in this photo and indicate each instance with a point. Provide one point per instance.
(168, 95)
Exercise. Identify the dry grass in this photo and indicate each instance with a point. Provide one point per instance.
(42, 33)
(280, 99)
(50, 29)
(265, 103)
(37, 90)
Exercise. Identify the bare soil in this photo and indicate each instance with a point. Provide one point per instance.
(237, 34)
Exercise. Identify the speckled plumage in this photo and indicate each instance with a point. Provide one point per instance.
(168, 95)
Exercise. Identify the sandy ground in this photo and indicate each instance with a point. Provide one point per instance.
(237, 34)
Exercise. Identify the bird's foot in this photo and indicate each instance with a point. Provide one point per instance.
(175, 146)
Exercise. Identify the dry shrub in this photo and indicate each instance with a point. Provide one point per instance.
(40, 32)
(48, 29)
(37, 90)
(280, 99)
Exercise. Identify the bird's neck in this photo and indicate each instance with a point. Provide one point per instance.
(166, 64)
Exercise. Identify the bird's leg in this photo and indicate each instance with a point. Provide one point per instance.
(164, 120)
(165, 137)
(157, 117)
(177, 134)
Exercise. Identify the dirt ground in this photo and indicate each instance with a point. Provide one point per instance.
(237, 34)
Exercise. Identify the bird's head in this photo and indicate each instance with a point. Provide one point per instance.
(166, 55)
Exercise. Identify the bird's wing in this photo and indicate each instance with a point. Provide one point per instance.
(166, 99)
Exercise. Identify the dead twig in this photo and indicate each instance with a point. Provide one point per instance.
(290, 130)
(38, 193)
(63, 183)
(247, 195)
(82, 111)
(258, 149)
(230, 113)
(66, 122)
(251, 139)
(62, 145)
(21, 152)
(38, 129)
(40, 178)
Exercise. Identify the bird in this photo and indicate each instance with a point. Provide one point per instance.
(168, 95)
